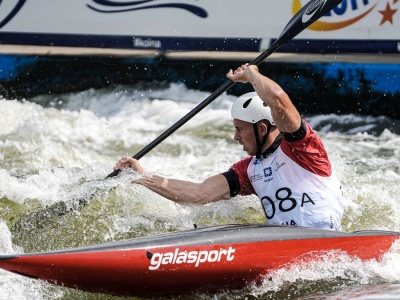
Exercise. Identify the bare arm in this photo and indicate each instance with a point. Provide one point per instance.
(210, 190)
(285, 114)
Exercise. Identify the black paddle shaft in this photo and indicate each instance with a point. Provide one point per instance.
(310, 12)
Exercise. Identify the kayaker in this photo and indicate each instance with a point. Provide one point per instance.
(287, 168)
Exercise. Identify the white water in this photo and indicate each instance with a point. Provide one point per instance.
(63, 151)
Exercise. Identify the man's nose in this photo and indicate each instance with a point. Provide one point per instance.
(236, 136)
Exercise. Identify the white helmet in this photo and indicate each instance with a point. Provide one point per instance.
(250, 108)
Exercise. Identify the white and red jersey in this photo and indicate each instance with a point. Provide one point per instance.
(295, 183)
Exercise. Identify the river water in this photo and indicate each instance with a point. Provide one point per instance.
(59, 148)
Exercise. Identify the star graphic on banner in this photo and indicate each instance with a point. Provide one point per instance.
(388, 13)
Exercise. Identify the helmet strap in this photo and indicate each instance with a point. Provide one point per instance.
(260, 142)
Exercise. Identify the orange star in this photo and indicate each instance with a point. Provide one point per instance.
(387, 14)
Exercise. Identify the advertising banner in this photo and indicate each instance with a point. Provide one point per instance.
(355, 26)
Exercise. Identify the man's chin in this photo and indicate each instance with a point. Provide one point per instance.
(249, 153)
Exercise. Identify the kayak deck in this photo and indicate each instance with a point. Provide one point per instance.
(203, 260)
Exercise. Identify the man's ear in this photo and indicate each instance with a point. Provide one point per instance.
(263, 128)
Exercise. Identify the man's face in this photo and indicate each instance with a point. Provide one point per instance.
(244, 134)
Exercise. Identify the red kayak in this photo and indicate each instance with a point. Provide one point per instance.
(203, 260)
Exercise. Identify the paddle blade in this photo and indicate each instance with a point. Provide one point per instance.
(310, 12)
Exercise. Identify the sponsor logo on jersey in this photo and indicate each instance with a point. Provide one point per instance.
(268, 172)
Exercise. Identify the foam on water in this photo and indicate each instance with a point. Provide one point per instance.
(335, 269)
(15, 287)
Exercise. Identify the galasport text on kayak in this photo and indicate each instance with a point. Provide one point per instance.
(192, 257)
